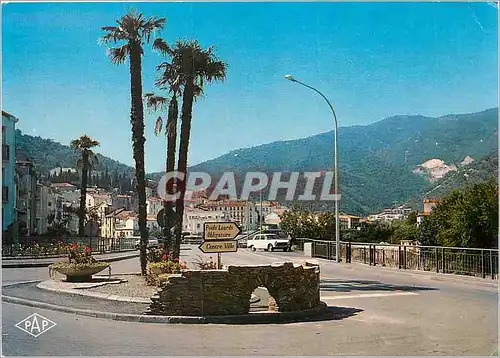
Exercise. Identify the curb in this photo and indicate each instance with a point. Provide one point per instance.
(46, 264)
(10, 258)
(250, 318)
(80, 292)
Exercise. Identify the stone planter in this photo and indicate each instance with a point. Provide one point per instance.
(81, 273)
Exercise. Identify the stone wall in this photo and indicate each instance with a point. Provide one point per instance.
(227, 292)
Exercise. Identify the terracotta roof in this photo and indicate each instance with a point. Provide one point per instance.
(152, 217)
(125, 214)
(114, 213)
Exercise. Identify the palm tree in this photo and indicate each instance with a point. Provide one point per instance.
(84, 144)
(192, 67)
(135, 30)
(155, 102)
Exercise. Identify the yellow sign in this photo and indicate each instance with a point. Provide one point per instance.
(210, 247)
(220, 231)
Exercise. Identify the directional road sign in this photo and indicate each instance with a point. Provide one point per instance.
(220, 231)
(210, 247)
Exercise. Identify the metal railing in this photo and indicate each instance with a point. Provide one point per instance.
(452, 260)
(47, 247)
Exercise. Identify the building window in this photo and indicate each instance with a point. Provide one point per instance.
(5, 152)
(4, 135)
(5, 193)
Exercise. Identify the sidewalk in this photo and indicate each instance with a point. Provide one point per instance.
(44, 262)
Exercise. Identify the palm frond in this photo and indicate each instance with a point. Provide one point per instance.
(119, 55)
(162, 46)
(114, 35)
(154, 102)
(151, 25)
(158, 125)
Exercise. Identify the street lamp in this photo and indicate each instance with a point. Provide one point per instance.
(260, 195)
(337, 225)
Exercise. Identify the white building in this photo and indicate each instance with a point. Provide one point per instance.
(120, 223)
(195, 218)
(153, 205)
(43, 210)
(57, 171)
(241, 212)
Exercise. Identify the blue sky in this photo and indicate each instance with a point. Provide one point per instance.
(372, 60)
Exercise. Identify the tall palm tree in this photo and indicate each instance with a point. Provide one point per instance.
(84, 145)
(193, 66)
(134, 31)
(155, 102)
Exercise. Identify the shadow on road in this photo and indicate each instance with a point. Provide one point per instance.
(361, 285)
(336, 313)
(332, 313)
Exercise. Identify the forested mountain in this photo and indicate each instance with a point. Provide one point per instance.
(376, 161)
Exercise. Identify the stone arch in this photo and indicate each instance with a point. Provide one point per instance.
(228, 292)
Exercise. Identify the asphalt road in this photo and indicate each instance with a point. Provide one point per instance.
(392, 313)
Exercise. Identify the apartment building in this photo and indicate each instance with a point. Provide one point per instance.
(120, 223)
(194, 219)
(8, 170)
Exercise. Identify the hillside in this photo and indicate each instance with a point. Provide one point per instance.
(480, 170)
(376, 161)
(373, 172)
(48, 154)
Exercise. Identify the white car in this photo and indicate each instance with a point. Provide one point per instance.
(269, 242)
(152, 243)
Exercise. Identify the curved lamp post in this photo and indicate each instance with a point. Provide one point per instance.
(337, 224)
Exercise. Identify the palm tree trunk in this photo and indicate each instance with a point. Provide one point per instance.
(187, 111)
(137, 121)
(83, 194)
(173, 112)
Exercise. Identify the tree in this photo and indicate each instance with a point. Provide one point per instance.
(193, 67)
(170, 80)
(404, 231)
(84, 145)
(467, 218)
(134, 30)
(412, 218)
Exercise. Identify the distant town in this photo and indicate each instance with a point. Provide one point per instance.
(34, 206)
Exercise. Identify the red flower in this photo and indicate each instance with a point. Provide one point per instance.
(176, 259)
(164, 257)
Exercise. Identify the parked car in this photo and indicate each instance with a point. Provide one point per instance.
(152, 243)
(192, 239)
(268, 242)
(242, 240)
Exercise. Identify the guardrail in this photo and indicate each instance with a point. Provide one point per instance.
(453, 260)
(43, 247)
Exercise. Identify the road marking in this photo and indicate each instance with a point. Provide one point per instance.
(368, 295)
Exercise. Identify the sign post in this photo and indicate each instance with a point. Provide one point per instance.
(219, 237)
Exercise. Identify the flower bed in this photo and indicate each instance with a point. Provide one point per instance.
(161, 264)
(80, 265)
